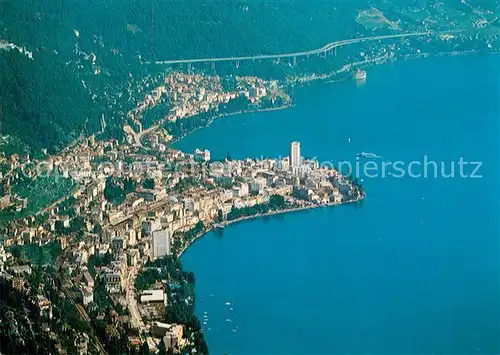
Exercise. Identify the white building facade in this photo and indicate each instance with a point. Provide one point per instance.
(295, 158)
(161, 243)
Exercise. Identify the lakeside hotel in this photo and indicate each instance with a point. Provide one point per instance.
(295, 157)
(161, 244)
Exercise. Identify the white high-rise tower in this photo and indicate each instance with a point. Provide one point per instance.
(295, 156)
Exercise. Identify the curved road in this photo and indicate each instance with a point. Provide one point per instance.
(323, 49)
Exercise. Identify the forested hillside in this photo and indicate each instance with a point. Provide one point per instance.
(89, 57)
(42, 100)
(182, 28)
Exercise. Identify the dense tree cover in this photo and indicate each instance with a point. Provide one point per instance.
(186, 184)
(41, 255)
(241, 103)
(193, 232)
(145, 348)
(129, 185)
(276, 202)
(236, 213)
(148, 183)
(114, 191)
(181, 287)
(16, 305)
(146, 278)
(170, 29)
(183, 28)
(66, 205)
(98, 229)
(43, 103)
(40, 192)
(52, 99)
(181, 239)
(220, 216)
(90, 56)
(153, 114)
(41, 218)
(180, 128)
(22, 328)
(98, 260)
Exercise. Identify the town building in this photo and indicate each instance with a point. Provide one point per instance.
(153, 296)
(151, 225)
(161, 243)
(295, 158)
(202, 155)
(152, 195)
(88, 279)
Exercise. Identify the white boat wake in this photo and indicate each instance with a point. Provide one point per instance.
(369, 155)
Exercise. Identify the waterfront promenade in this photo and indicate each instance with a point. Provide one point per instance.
(302, 207)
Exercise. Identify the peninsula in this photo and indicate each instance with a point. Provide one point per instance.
(114, 242)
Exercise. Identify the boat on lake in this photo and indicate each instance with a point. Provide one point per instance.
(360, 74)
(368, 155)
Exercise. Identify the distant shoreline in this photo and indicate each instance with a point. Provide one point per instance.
(221, 115)
(328, 79)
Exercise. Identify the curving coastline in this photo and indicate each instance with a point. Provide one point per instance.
(209, 228)
(324, 79)
(270, 213)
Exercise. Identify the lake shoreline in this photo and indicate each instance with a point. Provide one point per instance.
(327, 79)
(224, 224)
(221, 115)
(387, 248)
(316, 81)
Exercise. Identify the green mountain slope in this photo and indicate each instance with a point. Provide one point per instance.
(89, 56)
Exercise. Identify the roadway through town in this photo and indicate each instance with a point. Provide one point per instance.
(135, 315)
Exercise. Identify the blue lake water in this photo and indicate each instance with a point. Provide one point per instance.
(414, 269)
